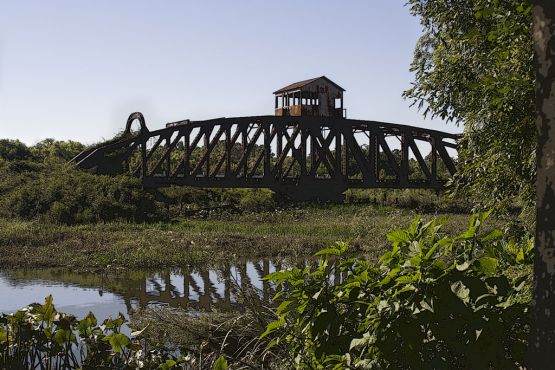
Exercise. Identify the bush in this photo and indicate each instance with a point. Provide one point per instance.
(257, 200)
(432, 302)
(62, 194)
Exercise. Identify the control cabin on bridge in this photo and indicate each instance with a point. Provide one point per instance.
(320, 97)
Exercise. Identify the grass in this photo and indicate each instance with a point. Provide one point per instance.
(213, 239)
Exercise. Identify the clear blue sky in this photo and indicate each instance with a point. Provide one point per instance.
(76, 69)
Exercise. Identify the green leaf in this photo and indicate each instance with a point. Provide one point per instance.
(406, 279)
(414, 225)
(413, 261)
(415, 248)
(47, 310)
(273, 343)
(484, 215)
(220, 364)
(493, 235)
(398, 236)
(64, 336)
(391, 274)
(468, 234)
(167, 365)
(283, 306)
(328, 251)
(278, 276)
(117, 341)
(273, 326)
(520, 256)
(441, 243)
(487, 265)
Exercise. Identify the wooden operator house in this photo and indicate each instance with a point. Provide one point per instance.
(320, 97)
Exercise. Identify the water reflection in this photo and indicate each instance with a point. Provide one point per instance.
(195, 288)
(107, 294)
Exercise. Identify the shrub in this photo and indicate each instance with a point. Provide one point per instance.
(432, 302)
(62, 194)
(40, 337)
(257, 200)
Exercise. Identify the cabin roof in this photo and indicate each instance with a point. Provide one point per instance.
(301, 84)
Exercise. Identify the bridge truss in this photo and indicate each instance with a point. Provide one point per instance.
(300, 157)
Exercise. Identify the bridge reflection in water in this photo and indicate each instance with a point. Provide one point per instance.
(202, 288)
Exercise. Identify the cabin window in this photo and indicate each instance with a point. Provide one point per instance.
(337, 103)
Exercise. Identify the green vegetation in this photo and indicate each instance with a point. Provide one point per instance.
(432, 302)
(38, 336)
(47, 149)
(474, 65)
(209, 237)
(58, 194)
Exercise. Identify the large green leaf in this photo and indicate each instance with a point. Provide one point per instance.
(118, 341)
(398, 236)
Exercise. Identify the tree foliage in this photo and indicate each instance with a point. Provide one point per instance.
(48, 149)
(474, 65)
(13, 150)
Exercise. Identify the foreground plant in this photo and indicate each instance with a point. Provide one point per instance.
(39, 337)
(432, 302)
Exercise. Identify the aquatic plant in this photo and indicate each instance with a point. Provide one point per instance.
(39, 337)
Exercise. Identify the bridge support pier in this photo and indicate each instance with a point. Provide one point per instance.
(301, 196)
(310, 191)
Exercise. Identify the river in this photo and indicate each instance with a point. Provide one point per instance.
(109, 293)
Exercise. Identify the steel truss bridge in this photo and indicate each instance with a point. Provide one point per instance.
(302, 158)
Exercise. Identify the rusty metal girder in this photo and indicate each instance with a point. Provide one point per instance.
(301, 157)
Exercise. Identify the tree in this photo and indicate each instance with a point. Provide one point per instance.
(13, 150)
(542, 334)
(474, 66)
(53, 149)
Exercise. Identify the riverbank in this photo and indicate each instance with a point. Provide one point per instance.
(212, 239)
